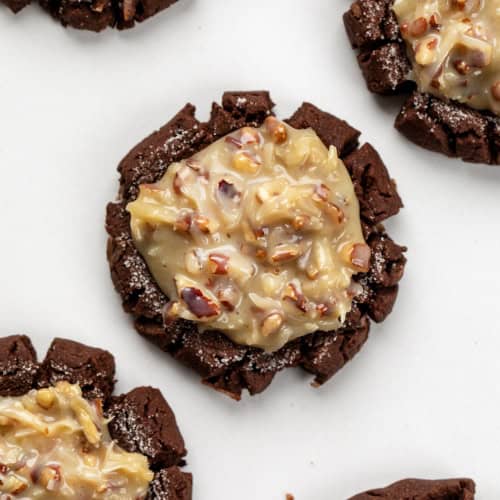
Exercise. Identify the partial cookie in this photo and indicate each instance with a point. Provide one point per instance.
(91, 368)
(141, 422)
(420, 489)
(96, 15)
(171, 484)
(18, 365)
(436, 124)
(223, 364)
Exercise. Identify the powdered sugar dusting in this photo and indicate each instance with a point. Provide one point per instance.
(27, 368)
(241, 102)
(394, 71)
(139, 279)
(127, 423)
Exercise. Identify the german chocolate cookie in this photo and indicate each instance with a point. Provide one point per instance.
(141, 421)
(430, 120)
(420, 489)
(227, 366)
(96, 15)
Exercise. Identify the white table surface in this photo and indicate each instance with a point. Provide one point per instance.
(421, 399)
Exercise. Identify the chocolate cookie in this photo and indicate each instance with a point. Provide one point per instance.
(96, 15)
(142, 421)
(447, 127)
(420, 489)
(223, 364)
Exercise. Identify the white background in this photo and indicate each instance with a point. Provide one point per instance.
(421, 399)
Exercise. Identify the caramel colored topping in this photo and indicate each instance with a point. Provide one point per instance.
(55, 445)
(258, 236)
(455, 45)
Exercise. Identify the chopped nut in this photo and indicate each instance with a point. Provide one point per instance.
(425, 54)
(49, 477)
(218, 263)
(418, 27)
(481, 58)
(193, 263)
(261, 254)
(243, 162)
(276, 129)
(171, 311)
(461, 66)
(359, 256)
(204, 224)
(434, 21)
(200, 305)
(45, 398)
(183, 224)
(299, 221)
(14, 485)
(336, 214)
(292, 293)
(228, 297)
(284, 253)
(321, 193)
(271, 324)
(183, 177)
(197, 167)
(312, 271)
(323, 309)
(232, 141)
(229, 191)
(249, 135)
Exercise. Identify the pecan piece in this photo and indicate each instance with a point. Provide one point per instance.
(276, 129)
(218, 263)
(271, 324)
(284, 253)
(229, 190)
(295, 295)
(200, 305)
(360, 256)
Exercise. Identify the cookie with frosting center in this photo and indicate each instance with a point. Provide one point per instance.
(248, 244)
(65, 436)
(446, 56)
